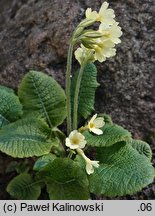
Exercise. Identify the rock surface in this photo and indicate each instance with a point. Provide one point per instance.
(34, 34)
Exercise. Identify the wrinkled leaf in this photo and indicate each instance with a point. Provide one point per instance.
(3, 121)
(43, 161)
(66, 180)
(112, 134)
(122, 171)
(23, 187)
(142, 147)
(9, 90)
(10, 107)
(26, 138)
(40, 93)
(87, 90)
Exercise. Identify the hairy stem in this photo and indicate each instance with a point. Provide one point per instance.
(70, 154)
(68, 84)
(76, 97)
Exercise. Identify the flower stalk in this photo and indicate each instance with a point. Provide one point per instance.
(76, 96)
(68, 86)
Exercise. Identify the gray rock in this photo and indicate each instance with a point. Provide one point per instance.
(35, 35)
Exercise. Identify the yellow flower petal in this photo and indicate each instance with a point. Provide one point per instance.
(90, 164)
(93, 118)
(96, 131)
(106, 15)
(99, 122)
(112, 32)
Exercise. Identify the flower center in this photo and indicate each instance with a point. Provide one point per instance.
(75, 141)
(107, 34)
(98, 17)
(91, 125)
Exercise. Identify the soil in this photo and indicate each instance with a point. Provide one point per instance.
(34, 34)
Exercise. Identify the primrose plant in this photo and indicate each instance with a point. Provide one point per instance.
(98, 157)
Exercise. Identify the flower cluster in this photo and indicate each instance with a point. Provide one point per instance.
(76, 141)
(94, 45)
(100, 44)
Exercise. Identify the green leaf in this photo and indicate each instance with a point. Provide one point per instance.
(40, 93)
(10, 107)
(81, 162)
(43, 161)
(3, 121)
(142, 147)
(26, 138)
(24, 187)
(11, 167)
(19, 167)
(111, 135)
(66, 180)
(87, 90)
(122, 171)
(9, 90)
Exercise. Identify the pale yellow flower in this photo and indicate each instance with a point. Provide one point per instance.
(93, 15)
(80, 54)
(83, 53)
(95, 123)
(104, 49)
(100, 49)
(90, 164)
(75, 140)
(100, 43)
(112, 32)
(105, 14)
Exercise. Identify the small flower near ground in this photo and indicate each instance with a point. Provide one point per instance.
(90, 164)
(95, 123)
(105, 14)
(75, 140)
